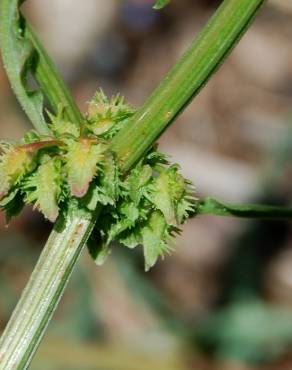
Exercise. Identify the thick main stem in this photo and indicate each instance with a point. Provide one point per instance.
(43, 291)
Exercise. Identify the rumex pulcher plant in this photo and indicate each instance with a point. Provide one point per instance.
(99, 177)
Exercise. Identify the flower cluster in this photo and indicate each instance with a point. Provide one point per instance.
(144, 207)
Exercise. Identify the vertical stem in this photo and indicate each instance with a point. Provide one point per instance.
(43, 291)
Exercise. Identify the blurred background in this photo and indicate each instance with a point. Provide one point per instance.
(223, 300)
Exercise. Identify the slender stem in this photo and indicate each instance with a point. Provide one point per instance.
(186, 78)
(211, 206)
(50, 81)
(43, 291)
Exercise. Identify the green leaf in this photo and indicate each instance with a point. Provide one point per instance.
(22, 55)
(159, 4)
(82, 159)
(43, 188)
(153, 239)
(19, 58)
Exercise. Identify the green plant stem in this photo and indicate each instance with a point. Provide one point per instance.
(51, 84)
(43, 291)
(211, 206)
(185, 79)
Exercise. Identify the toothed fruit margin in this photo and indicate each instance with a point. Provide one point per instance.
(74, 165)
